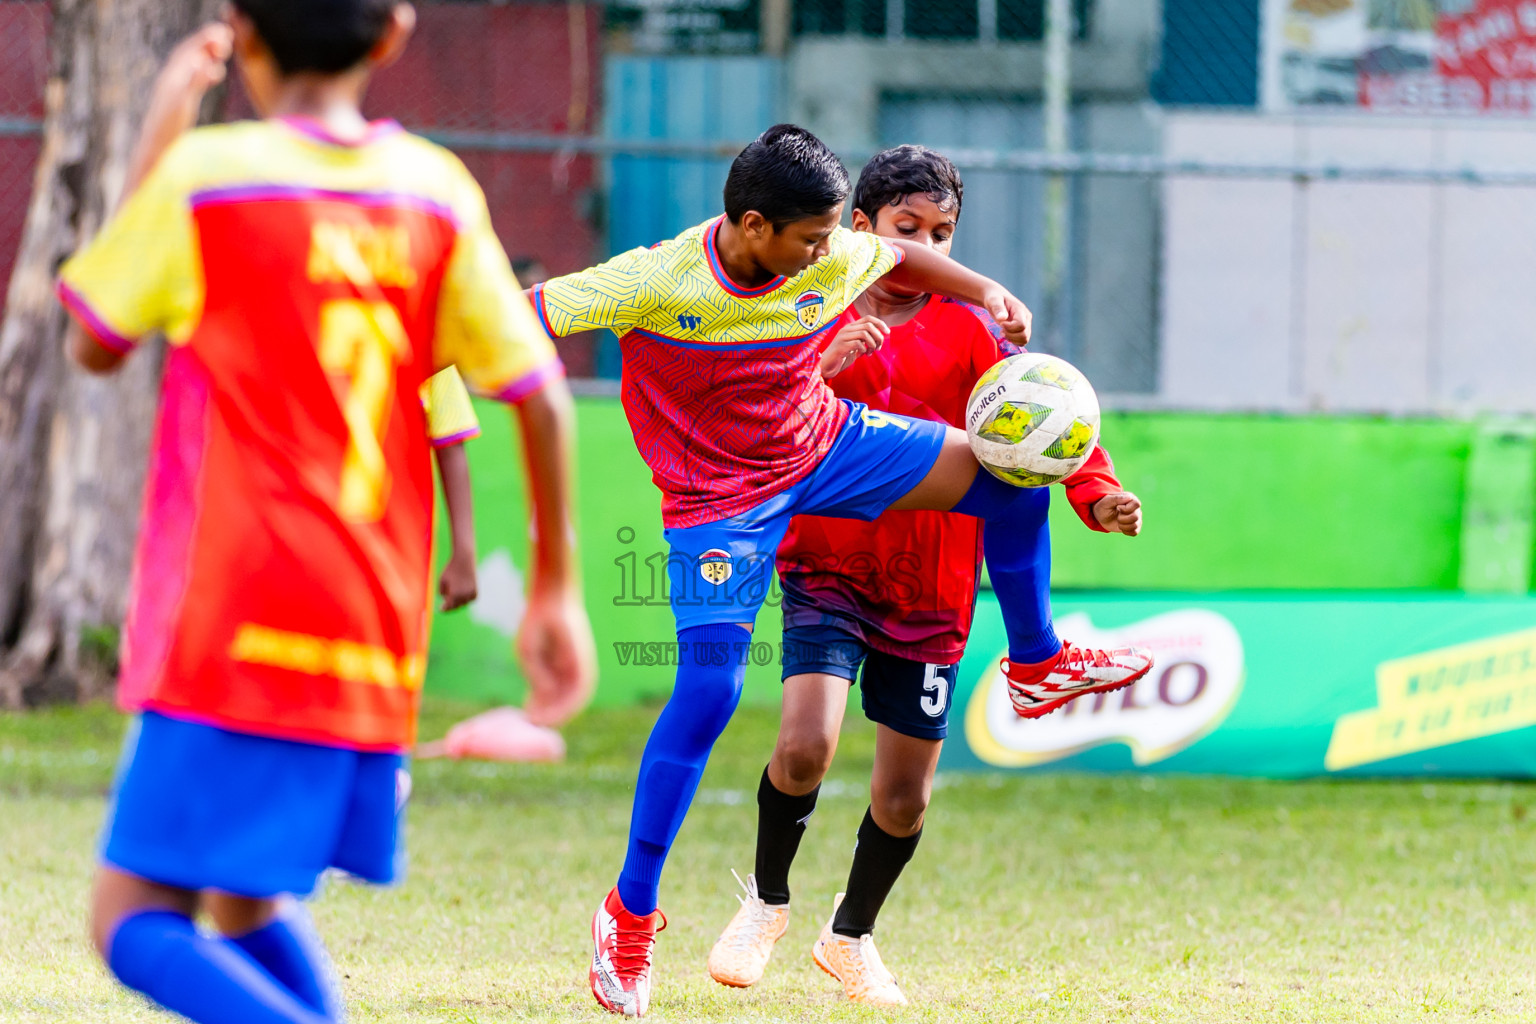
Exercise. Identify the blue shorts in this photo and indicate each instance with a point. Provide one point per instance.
(909, 697)
(198, 807)
(721, 572)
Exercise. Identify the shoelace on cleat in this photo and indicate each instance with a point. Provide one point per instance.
(1071, 659)
(746, 933)
(1085, 657)
(632, 949)
(865, 963)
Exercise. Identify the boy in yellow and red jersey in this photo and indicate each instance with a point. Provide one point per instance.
(889, 602)
(721, 330)
(310, 272)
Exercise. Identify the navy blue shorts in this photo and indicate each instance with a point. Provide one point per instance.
(909, 697)
(198, 807)
(721, 572)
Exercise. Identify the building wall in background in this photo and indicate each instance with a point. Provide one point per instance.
(1350, 296)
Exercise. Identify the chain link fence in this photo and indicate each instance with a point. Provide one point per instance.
(23, 72)
(1210, 234)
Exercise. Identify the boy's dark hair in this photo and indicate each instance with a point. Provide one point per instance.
(318, 35)
(786, 174)
(891, 176)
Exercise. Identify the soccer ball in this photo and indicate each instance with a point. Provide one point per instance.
(1032, 419)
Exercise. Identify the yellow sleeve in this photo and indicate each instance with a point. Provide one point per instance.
(860, 258)
(141, 272)
(614, 295)
(485, 326)
(451, 417)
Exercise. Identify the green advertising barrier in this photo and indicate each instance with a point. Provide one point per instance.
(1232, 502)
(1276, 685)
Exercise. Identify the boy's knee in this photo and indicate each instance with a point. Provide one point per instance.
(899, 810)
(803, 760)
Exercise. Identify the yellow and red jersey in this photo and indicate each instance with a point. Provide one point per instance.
(721, 385)
(308, 289)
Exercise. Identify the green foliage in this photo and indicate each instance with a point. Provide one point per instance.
(1049, 898)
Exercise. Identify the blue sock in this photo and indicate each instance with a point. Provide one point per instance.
(713, 663)
(208, 980)
(289, 948)
(1016, 541)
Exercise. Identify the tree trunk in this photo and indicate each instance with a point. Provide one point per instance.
(73, 447)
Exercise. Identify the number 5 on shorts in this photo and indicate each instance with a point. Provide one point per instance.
(363, 341)
(936, 689)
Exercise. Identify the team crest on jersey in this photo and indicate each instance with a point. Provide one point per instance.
(715, 566)
(808, 308)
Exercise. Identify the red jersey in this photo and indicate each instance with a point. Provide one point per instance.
(906, 583)
(307, 288)
(720, 383)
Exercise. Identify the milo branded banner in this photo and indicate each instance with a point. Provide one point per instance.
(1273, 685)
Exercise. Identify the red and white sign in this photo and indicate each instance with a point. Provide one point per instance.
(1485, 60)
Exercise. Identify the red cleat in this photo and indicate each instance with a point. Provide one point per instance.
(621, 958)
(1037, 690)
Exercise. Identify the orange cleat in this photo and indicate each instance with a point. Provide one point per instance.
(856, 963)
(741, 953)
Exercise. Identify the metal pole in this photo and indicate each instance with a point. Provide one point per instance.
(1058, 98)
(774, 24)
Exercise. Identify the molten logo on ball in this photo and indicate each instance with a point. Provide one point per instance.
(1032, 419)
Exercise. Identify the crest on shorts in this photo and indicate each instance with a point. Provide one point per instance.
(715, 566)
(808, 308)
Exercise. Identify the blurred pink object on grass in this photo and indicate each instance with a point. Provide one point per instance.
(500, 734)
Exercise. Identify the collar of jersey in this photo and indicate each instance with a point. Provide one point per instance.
(313, 129)
(721, 278)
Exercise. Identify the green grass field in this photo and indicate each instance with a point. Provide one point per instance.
(1042, 898)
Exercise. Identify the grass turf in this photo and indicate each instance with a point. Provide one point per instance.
(1040, 898)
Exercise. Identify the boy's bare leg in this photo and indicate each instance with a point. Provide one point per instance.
(812, 715)
(902, 782)
(238, 915)
(116, 895)
(200, 977)
(947, 481)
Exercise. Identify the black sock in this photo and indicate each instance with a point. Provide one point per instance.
(877, 863)
(781, 822)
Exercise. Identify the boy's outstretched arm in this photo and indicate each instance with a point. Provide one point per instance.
(555, 642)
(458, 585)
(927, 271)
(196, 65)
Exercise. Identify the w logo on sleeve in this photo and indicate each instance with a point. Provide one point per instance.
(689, 323)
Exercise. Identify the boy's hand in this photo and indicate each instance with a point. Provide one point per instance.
(863, 336)
(557, 655)
(458, 585)
(197, 64)
(1011, 315)
(1119, 513)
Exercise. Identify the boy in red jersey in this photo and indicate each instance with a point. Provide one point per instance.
(894, 596)
(310, 272)
(720, 334)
